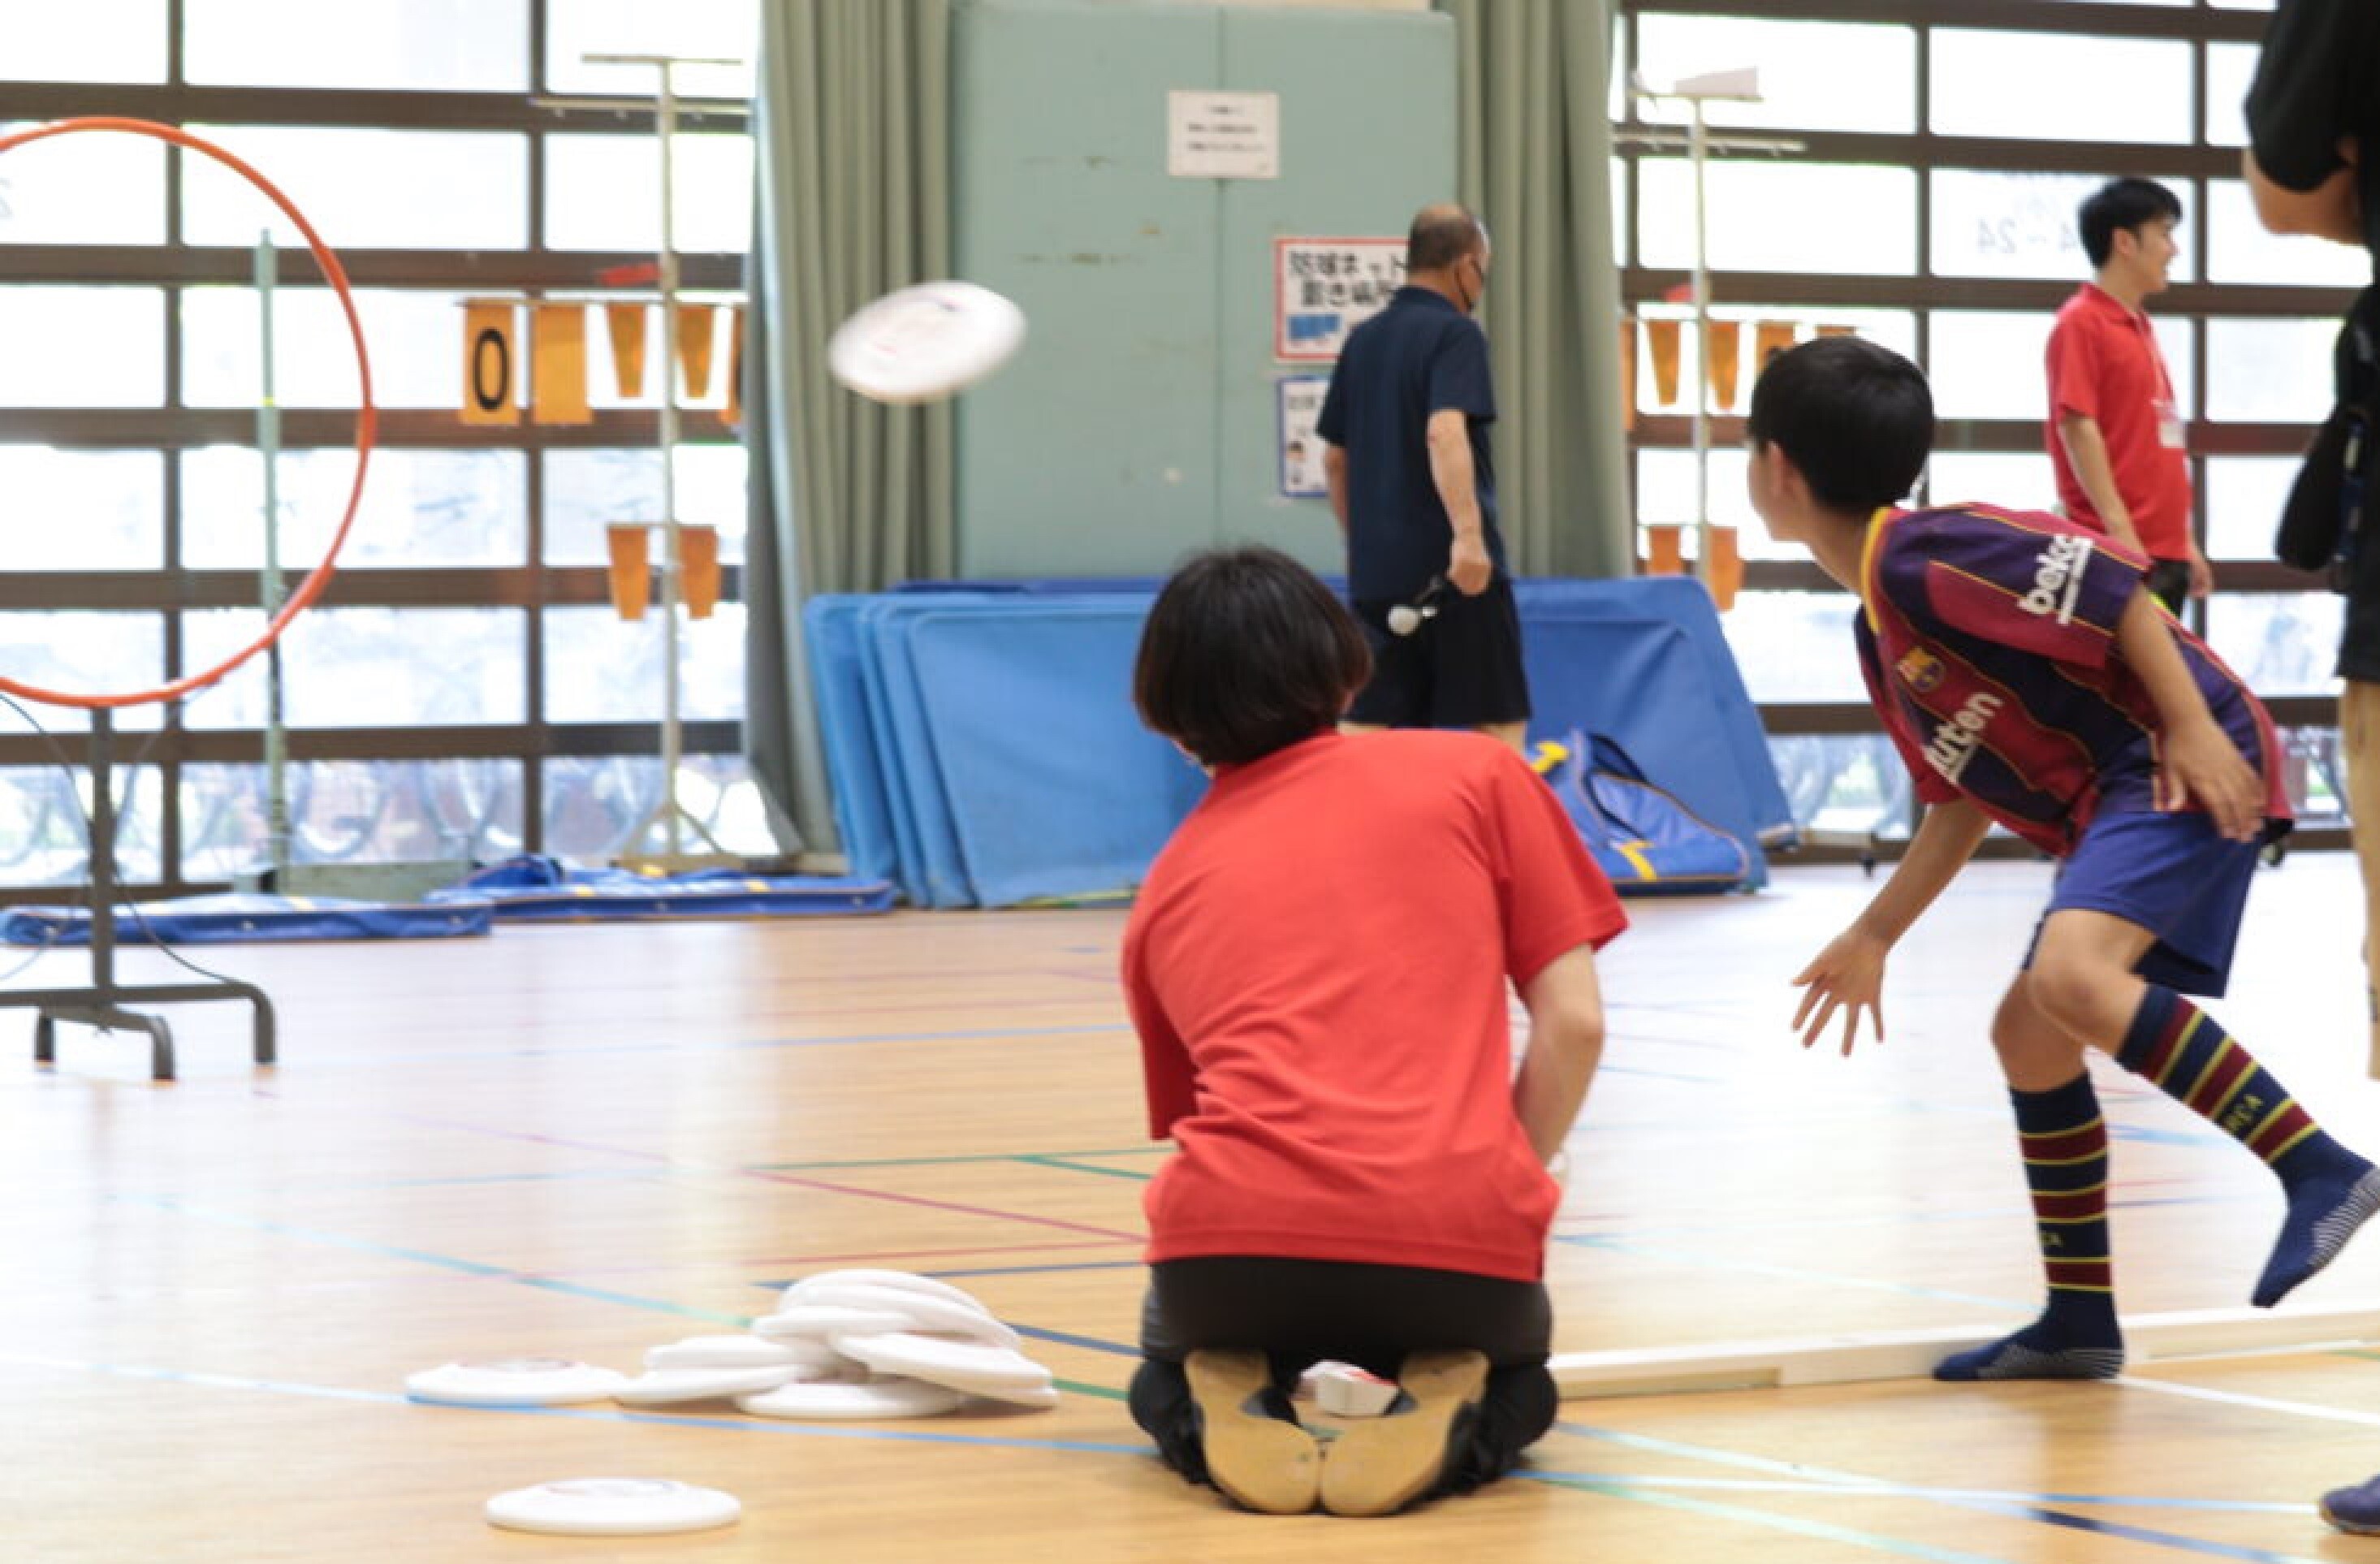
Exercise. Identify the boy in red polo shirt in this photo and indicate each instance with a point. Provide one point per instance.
(2115, 430)
(2028, 679)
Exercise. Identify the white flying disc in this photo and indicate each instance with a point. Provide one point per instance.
(613, 1506)
(514, 1382)
(925, 342)
(998, 1373)
(920, 1311)
(816, 1322)
(665, 1386)
(828, 1401)
(906, 1281)
(743, 1351)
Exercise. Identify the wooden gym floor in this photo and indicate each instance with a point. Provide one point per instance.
(585, 1141)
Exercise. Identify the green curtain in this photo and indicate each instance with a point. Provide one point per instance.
(1535, 137)
(852, 149)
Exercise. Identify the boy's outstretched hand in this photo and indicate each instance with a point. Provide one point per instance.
(2202, 763)
(1847, 976)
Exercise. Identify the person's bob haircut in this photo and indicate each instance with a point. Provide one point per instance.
(1246, 652)
(1856, 418)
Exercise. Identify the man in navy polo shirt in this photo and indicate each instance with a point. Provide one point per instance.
(1406, 425)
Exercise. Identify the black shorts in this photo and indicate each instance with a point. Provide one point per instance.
(1370, 1316)
(1460, 669)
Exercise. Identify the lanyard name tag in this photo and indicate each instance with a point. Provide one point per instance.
(2169, 430)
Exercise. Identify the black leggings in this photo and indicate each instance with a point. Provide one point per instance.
(1301, 1312)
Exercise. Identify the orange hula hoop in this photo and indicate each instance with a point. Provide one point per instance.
(367, 415)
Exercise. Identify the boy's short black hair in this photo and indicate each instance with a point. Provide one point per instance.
(1245, 652)
(1856, 418)
(2118, 206)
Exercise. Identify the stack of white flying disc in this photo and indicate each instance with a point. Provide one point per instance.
(923, 1346)
(841, 1345)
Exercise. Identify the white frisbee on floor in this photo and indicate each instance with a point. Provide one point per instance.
(742, 1352)
(514, 1382)
(664, 1386)
(1000, 1374)
(613, 1506)
(906, 1281)
(920, 1311)
(926, 341)
(831, 1401)
(816, 1322)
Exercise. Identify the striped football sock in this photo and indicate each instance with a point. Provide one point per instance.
(2180, 1050)
(2065, 1146)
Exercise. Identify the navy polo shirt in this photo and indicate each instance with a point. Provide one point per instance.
(1417, 357)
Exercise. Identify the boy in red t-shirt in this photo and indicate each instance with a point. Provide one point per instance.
(1317, 968)
(2116, 429)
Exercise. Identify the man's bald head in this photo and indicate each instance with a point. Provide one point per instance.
(1442, 235)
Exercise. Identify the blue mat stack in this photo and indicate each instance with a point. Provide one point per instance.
(984, 752)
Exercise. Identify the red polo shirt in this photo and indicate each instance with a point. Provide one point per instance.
(2104, 364)
(1317, 969)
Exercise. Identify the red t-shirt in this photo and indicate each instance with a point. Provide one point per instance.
(1317, 967)
(2104, 364)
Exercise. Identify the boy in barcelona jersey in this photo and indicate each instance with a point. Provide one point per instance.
(2028, 678)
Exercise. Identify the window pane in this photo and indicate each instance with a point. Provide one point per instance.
(459, 45)
(415, 339)
(2245, 252)
(84, 510)
(1664, 496)
(593, 802)
(83, 191)
(2281, 643)
(586, 490)
(1813, 76)
(1989, 365)
(45, 827)
(419, 507)
(82, 347)
(2230, 68)
(2314, 773)
(1796, 646)
(604, 192)
(2014, 480)
(1845, 783)
(2268, 372)
(2072, 89)
(1759, 216)
(370, 668)
(600, 668)
(86, 653)
(360, 811)
(725, 29)
(90, 40)
(2243, 504)
(364, 189)
(2023, 224)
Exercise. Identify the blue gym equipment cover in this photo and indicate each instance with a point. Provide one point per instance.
(983, 749)
(242, 919)
(534, 888)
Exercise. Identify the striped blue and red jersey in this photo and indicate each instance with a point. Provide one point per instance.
(1989, 641)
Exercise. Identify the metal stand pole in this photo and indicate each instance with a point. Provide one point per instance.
(669, 815)
(101, 1005)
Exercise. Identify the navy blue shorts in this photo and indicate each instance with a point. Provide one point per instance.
(2172, 874)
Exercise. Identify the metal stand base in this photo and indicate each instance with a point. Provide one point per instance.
(100, 1005)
